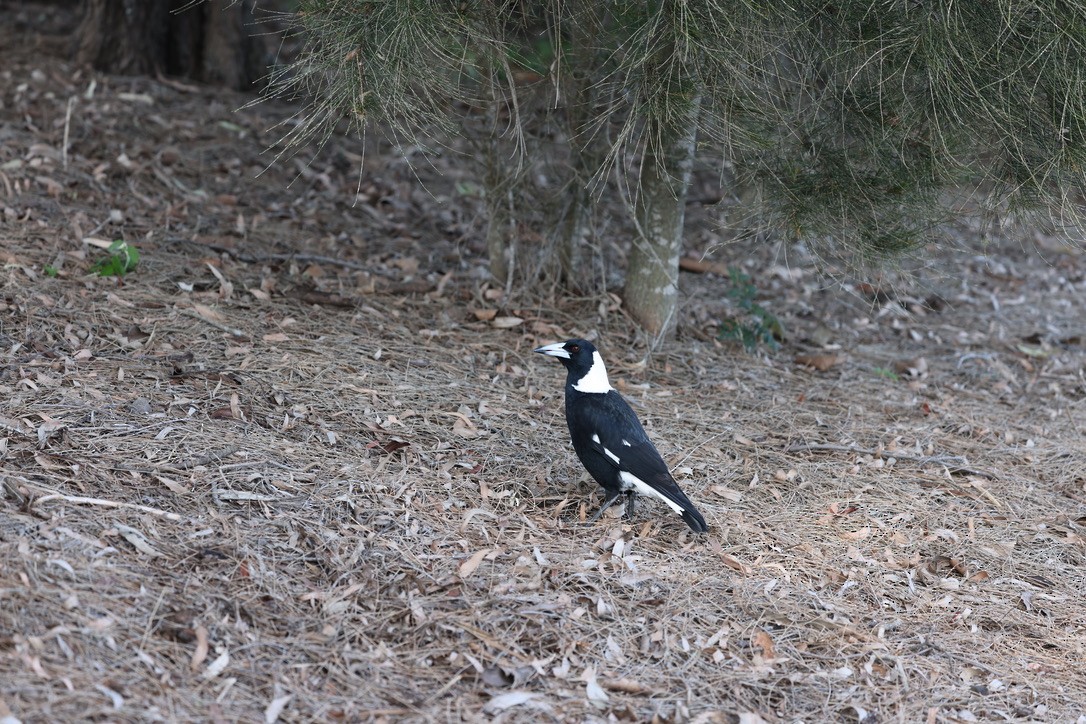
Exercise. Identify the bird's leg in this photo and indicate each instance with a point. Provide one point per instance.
(631, 502)
(611, 498)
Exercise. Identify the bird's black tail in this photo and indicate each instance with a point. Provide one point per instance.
(689, 513)
(693, 518)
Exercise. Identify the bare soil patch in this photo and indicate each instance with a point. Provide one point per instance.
(302, 465)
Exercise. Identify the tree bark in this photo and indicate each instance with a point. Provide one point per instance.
(652, 277)
(207, 41)
(123, 36)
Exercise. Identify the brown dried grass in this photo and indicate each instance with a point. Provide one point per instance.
(227, 505)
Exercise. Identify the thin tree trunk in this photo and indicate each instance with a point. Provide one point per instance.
(575, 228)
(498, 238)
(652, 277)
(498, 183)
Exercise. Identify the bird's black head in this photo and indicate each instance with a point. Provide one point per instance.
(586, 370)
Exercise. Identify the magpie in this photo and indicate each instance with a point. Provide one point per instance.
(610, 440)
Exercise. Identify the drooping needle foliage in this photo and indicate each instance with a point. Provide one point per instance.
(860, 125)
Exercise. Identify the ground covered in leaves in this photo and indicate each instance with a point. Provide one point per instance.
(300, 463)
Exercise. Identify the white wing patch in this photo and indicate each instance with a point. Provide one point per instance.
(632, 482)
(596, 439)
(611, 455)
(626, 443)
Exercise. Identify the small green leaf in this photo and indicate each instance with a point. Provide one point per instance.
(231, 126)
(123, 258)
(50, 271)
(887, 373)
(1032, 350)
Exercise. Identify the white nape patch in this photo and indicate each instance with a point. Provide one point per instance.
(596, 380)
(596, 439)
(632, 482)
(626, 442)
(611, 455)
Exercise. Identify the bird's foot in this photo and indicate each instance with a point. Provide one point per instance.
(606, 504)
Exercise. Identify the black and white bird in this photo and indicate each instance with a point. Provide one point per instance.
(610, 440)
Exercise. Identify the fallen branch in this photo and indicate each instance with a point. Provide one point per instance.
(77, 500)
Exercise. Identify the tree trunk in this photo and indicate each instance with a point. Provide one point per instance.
(652, 277)
(574, 233)
(208, 42)
(499, 182)
(498, 237)
(579, 91)
(124, 36)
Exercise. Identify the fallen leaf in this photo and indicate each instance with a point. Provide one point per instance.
(596, 695)
(468, 566)
(496, 676)
(484, 315)
(750, 717)
(389, 447)
(506, 322)
(508, 701)
(202, 647)
(143, 98)
(820, 362)
(727, 493)
(763, 641)
(465, 428)
(406, 264)
(217, 666)
(276, 337)
(138, 541)
(208, 313)
(627, 686)
(275, 708)
(1032, 350)
(972, 673)
(734, 564)
(941, 564)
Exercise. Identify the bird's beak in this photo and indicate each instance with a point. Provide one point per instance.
(553, 350)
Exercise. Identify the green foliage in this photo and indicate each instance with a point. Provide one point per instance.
(757, 325)
(887, 373)
(50, 271)
(861, 126)
(122, 258)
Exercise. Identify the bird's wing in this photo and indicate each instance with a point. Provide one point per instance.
(611, 427)
(617, 434)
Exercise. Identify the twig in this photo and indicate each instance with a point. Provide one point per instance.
(232, 331)
(953, 463)
(77, 500)
(67, 128)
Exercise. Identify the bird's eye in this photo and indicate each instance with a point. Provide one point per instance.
(574, 348)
